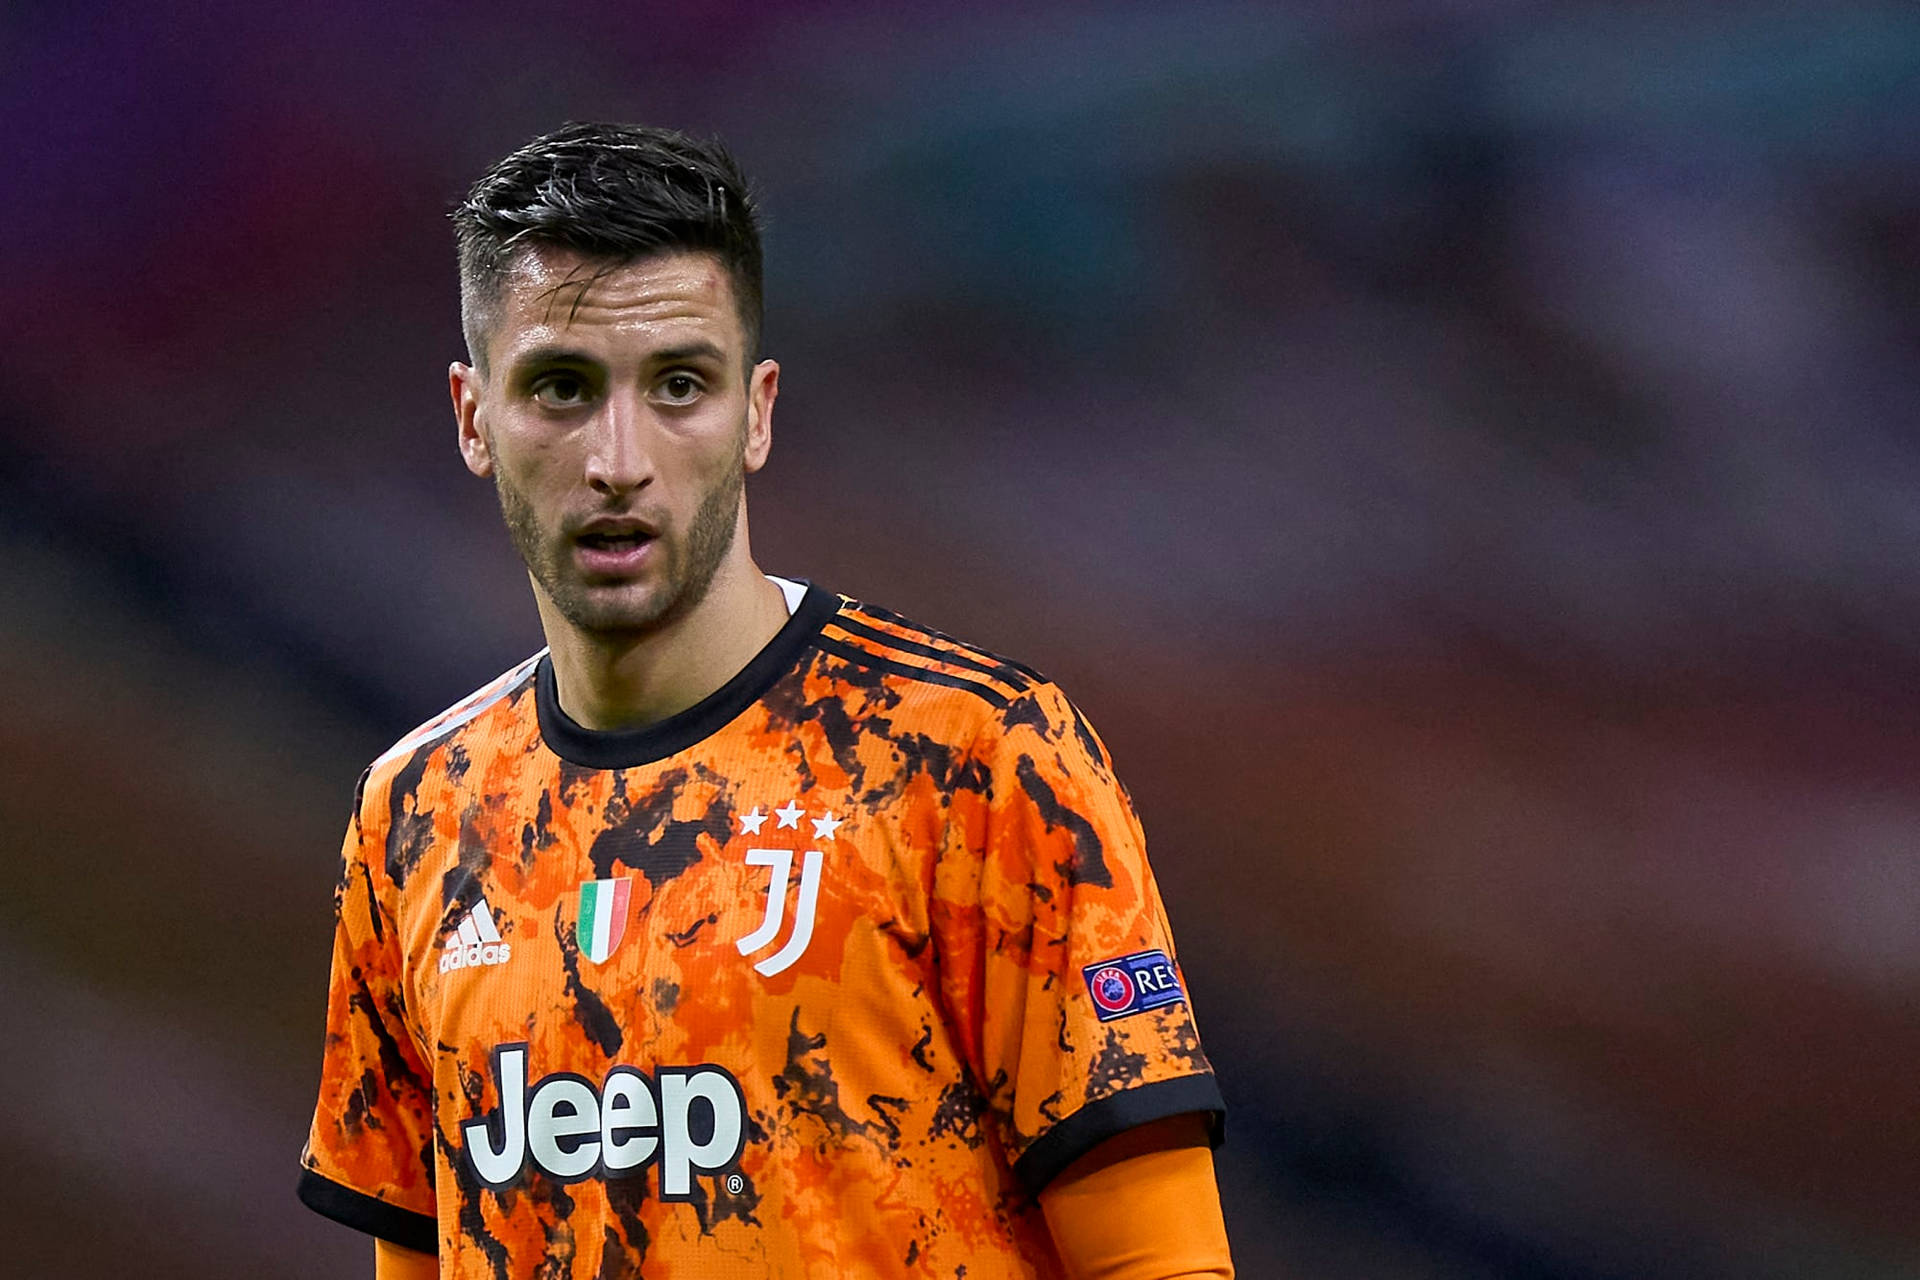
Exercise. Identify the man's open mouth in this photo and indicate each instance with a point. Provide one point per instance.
(614, 541)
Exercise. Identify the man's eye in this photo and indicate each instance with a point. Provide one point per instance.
(679, 388)
(560, 391)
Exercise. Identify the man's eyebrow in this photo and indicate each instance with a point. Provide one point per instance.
(688, 351)
(550, 353)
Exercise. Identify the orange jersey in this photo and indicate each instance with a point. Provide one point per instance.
(827, 975)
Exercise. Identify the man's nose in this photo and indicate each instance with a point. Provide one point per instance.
(620, 458)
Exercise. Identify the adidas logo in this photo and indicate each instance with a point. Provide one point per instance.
(476, 942)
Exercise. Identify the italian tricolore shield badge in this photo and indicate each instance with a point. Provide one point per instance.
(602, 918)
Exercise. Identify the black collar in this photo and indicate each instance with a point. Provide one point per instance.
(629, 748)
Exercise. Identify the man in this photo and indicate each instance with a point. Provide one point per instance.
(746, 930)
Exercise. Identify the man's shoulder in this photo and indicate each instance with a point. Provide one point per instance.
(464, 717)
(963, 683)
(890, 643)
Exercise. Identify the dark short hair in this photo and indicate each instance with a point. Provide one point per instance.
(612, 192)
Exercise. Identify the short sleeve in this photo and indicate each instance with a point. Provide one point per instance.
(369, 1155)
(1057, 965)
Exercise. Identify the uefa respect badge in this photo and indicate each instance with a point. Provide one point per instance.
(1132, 984)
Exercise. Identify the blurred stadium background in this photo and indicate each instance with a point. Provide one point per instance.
(1463, 455)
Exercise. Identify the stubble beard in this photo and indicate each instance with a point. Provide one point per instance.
(686, 574)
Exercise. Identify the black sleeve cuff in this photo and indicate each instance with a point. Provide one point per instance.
(1094, 1123)
(369, 1214)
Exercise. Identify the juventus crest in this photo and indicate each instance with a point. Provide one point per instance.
(779, 863)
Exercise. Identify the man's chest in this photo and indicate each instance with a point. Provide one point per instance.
(703, 972)
(674, 917)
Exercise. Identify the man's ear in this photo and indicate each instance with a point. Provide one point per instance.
(464, 382)
(763, 387)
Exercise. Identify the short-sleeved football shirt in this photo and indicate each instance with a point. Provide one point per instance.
(827, 975)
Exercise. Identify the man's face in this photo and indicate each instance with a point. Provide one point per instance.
(618, 421)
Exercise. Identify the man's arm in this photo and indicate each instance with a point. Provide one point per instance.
(1142, 1205)
(395, 1262)
(367, 1158)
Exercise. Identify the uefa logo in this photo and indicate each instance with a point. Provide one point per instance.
(1111, 988)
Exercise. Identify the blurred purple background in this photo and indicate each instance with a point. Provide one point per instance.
(1463, 456)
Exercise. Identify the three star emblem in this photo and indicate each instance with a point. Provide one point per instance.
(789, 815)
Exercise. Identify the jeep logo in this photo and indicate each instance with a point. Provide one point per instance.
(687, 1120)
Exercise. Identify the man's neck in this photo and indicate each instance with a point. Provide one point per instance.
(629, 683)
